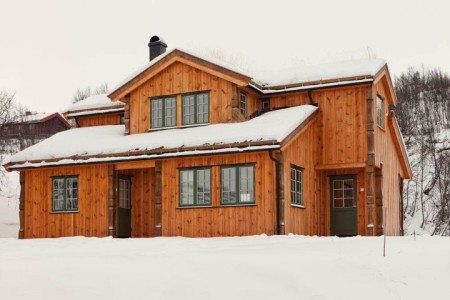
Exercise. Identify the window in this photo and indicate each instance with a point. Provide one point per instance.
(265, 104)
(243, 104)
(65, 193)
(196, 108)
(296, 186)
(164, 112)
(195, 187)
(380, 111)
(238, 185)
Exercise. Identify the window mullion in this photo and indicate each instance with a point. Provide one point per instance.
(195, 108)
(238, 185)
(163, 112)
(194, 192)
(65, 193)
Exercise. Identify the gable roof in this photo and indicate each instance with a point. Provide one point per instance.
(108, 143)
(265, 81)
(40, 118)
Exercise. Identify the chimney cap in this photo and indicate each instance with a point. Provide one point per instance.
(154, 40)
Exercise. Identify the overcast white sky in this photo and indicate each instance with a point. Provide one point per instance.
(48, 49)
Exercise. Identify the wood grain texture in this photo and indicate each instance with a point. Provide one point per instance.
(178, 79)
(219, 220)
(99, 120)
(92, 218)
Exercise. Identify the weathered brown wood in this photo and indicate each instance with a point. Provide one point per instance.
(111, 203)
(379, 201)
(370, 160)
(158, 198)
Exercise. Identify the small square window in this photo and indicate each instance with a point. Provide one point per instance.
(196, 108)
(195, 187)
(163, 112)
(265, 105)
(65, 193)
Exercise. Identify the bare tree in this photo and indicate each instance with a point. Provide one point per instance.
(82, 94)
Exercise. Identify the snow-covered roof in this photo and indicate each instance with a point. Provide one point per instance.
(93, 102)
(270, 128)
(95, 112)
(322, 72)
(362, 69)
(206, 58)
(30, 117)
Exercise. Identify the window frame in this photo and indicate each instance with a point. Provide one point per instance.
(238, 201)
(163, 99)
(294, 191)
(195, 187)
(265, 100)
(380, 112)
(65, 209)
(243, 104)
(196, 94)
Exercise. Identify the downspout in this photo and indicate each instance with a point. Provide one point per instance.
(280, 224)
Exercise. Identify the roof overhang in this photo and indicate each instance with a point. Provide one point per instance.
(384, 76)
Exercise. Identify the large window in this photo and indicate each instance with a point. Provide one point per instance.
(164, 112)
(196, 108)
(65, 193)
(243, 104)
(238, 185)
(380, 112)
(195, 187)
(296, 186)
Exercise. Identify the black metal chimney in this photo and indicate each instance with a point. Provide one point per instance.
(156, 46)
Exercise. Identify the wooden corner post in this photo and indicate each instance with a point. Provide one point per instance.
(126, 114)
(370, 161)
(158, 199)
(22, 205)
(111, 201)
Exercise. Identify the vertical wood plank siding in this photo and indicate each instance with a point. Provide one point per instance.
(99, 120)
(386, 155)
(92, 218)
(219, 220)
(178, 79)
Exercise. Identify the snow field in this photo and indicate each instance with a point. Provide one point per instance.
(256, 267)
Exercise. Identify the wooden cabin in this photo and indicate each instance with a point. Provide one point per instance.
(208, 150)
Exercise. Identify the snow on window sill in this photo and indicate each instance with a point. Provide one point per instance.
(217, 206)
(65, 212)
(298, 205)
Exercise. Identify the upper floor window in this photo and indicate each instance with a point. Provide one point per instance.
(195, 187)
(65, 193)
(296, 186)
(243, 104)
(196, 108)
(380, 114)
(238, 185)
(164, 112)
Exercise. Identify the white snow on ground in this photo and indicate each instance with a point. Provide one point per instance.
(96, 101)
(256, 267)
(271, 126)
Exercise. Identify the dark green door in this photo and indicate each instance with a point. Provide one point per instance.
(343, 205)
(124, 211)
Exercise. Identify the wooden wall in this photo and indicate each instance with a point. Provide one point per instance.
(304, 153)
(142, 201)
(219, 220)
(386, 157)
(177, 79)
(92, 218)
(99, 120)
(342, 122)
